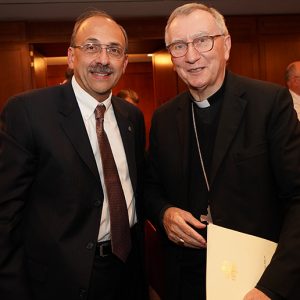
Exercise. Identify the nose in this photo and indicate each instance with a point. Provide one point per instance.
(102, 56)
(192, 54)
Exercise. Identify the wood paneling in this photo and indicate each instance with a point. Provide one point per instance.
(144, 28)
(147, 37)
(279, 25)
(15, 75)
(244, 57)
(47, 32)
(139, 77)
(56, 74)
(39, 71)
(164, 77)
(12, 31)
(276, 56)
(279, 41)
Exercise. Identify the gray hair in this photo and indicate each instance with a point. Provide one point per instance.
(187, 9)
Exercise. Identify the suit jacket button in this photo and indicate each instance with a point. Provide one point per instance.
(97, 203)
(82, 294)
(90, 246)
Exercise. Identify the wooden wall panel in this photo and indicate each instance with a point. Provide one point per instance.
(244, 54)
(56, 74)
(12, 31)
(276, 56)
(164, 77)
(279, 40)
(139, 77)
(40, 71)
(15, 75)
(244, 58)
(279, 25)
(38, 32)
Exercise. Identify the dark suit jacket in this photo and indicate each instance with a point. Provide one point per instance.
(254, 176)
(51, 194)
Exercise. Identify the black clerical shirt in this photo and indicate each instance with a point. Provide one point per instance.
(206, 120)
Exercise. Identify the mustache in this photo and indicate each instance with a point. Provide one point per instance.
(99, 68)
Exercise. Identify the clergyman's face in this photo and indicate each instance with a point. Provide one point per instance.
(98, 73)
(202, 72)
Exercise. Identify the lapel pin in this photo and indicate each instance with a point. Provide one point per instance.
(129, 128)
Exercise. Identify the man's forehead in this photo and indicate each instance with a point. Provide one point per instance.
(202, 23)
(97, 20)
(100, 27)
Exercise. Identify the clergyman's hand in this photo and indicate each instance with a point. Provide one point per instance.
(179, 224)
(256, 294)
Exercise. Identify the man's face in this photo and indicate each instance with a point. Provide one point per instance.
(97, 73)
(202, 72)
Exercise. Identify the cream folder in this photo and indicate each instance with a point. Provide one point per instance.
(235, 262)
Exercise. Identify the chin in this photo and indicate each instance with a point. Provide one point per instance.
(198, 85)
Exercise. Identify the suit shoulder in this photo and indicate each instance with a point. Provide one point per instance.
(35, 96)
(173, 103)
(254, 85)
(261, 97)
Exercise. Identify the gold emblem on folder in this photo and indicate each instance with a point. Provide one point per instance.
(229, 269)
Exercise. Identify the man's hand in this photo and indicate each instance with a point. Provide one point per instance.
(256, 294)
(177, 223)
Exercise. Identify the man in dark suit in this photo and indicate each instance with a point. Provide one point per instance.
(55, 234)
(227, 149)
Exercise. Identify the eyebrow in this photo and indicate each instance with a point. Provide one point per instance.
(96, 41)
(92, 40)
(196, 35)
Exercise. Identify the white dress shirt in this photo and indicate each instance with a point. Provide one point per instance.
(87, 105)
(296, 101)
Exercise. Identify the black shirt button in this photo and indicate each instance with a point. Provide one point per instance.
(97, 203)
(90, 245)
(82, 294)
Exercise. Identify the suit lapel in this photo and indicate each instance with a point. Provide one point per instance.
(231, 115)
(73, 125)
(127, 132)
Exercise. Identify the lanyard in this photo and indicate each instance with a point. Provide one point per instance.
(199, 149)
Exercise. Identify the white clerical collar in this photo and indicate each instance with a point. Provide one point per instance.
(202, 104)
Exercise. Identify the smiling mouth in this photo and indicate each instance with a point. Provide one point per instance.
(101, 74)
(100, 70)
(196, 70)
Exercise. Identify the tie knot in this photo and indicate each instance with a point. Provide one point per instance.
(99, 111)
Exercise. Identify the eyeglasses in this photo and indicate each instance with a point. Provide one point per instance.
(201, 44)
(93, 49)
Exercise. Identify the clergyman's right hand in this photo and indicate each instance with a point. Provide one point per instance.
(179, 224)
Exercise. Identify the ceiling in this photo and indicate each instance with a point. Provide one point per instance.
(34, 10)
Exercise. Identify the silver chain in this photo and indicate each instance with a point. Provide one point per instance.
(199, 149)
